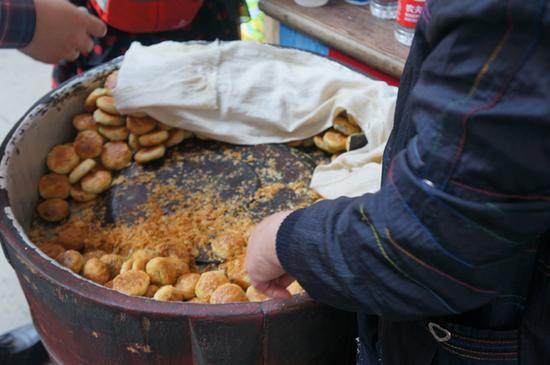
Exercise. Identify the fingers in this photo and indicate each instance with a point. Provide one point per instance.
(95, 26)
(273, 290)
(286, 280)
(86, 44)
(81, 44)
(72, 55)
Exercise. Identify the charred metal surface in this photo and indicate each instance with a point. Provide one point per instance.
(235, 172)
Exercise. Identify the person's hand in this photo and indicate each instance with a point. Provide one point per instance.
(262, 264)
(63, 32)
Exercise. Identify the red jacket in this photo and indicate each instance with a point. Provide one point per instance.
(147, 16)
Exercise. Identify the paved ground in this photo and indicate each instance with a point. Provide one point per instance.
(22, 82)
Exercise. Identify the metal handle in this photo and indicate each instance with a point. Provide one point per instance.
(439, 333)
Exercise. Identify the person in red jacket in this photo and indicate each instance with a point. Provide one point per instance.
(152, 22)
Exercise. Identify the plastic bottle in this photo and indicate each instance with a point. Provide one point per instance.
(408, 13)
(383, 9)
(358, 2)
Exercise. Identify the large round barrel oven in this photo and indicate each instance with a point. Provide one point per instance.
(84, 323)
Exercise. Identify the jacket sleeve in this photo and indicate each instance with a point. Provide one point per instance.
(460, 215)
(17, 23)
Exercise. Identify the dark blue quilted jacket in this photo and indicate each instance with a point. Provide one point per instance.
(449, 263)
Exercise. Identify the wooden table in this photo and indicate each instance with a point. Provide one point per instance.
(345, 28)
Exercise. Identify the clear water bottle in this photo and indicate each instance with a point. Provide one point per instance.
(358, 2)
(384, 9)
(408, 13)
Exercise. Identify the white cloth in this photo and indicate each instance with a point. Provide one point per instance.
(248, 93)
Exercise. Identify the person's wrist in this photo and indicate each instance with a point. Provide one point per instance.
(284, 237)
(274, 259)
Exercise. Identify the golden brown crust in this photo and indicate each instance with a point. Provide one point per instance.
(145, 155)
(116, 155)
(62, 159)
(140, 126)
(81, 170)
(132, 282)
(198, 301)
(308, 142)
(295, 288)
(72, 235)
(107, 104)
(80, 195)
(88, 144)
(320, 144)
(96, 271)
(151, 290)
(133, 142)
(352, 119)
(114, 133)
(342, 125)
(93, 254)
(53, 186)
(162, 271)
(144, 253)
(52, 250)
(228, 293)
(106, 119)
(90, 102)
(208, 282)
(113, 263)
(138, 114)
(186, 284)
(138, 259)
(72, 260)
(53, 210)
(182, 267)
(164, 127)
(225, 244)
(254, 295)
(96, 182)
(236, 272)
(153, 138)
(136, 264)
(84, 121)
(176, 136)
(177, 251)
(336, 141)
(111, 80)
(168, 293)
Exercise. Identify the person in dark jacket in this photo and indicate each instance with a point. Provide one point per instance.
(449, 262)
